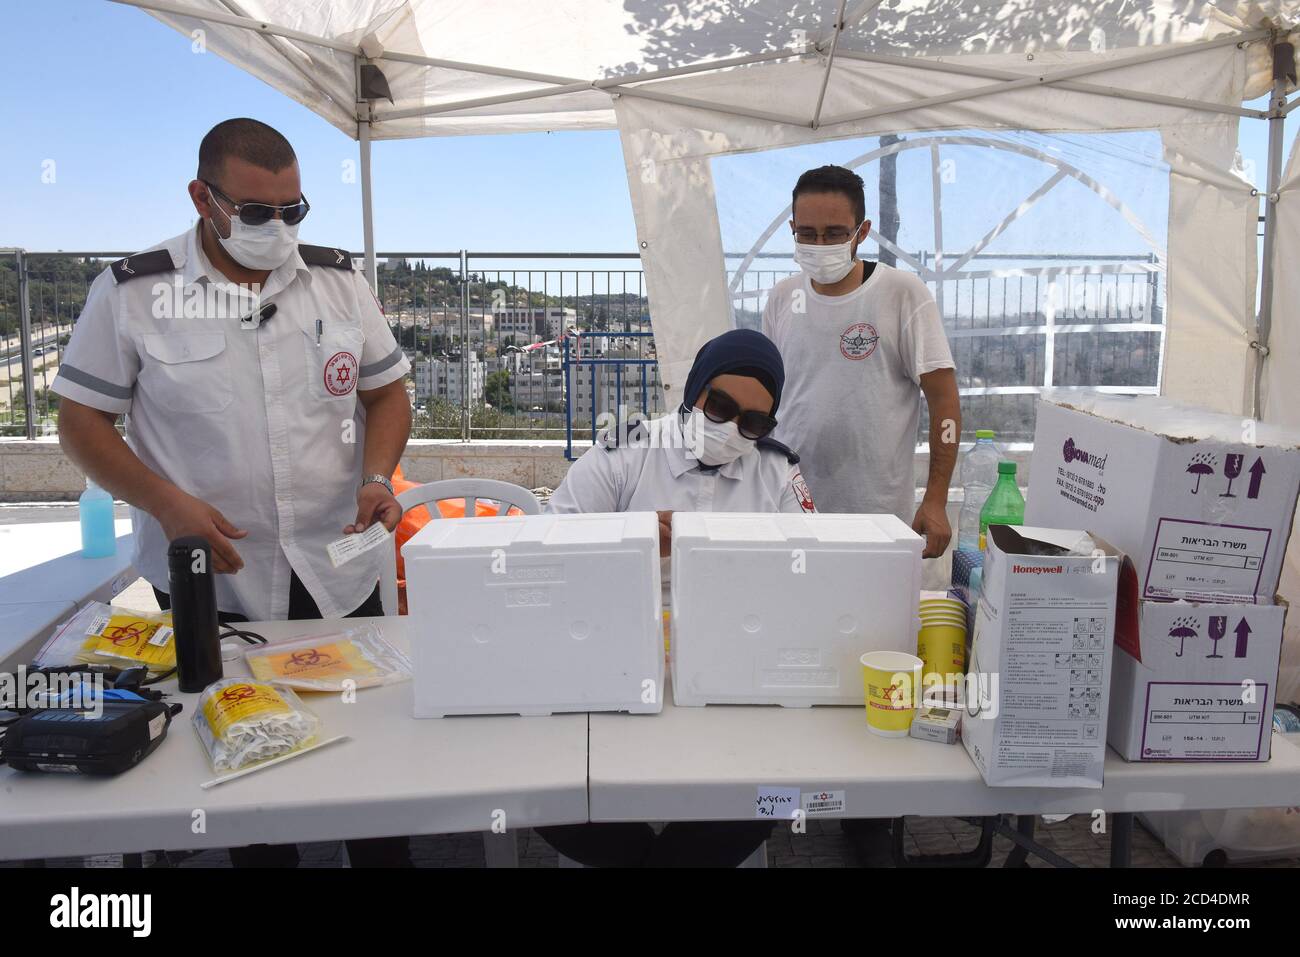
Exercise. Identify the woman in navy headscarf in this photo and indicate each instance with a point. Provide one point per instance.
(712, 453)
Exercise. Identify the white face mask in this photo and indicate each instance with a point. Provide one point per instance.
(265, 246)
(824, 264)
(714, 443)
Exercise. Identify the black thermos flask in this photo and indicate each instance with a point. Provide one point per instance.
(194, 613)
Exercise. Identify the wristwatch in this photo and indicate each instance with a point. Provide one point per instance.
(376, 477)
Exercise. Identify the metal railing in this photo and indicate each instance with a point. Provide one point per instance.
(488, 334)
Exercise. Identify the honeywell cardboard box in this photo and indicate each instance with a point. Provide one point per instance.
(1196, 682)
(1038, 686)
(1201, 502)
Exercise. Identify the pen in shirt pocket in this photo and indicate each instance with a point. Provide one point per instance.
(319, 327)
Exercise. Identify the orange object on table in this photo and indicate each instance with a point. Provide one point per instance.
(416, 518)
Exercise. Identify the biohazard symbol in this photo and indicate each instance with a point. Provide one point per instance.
(124, 636)
(341, 373)
(859, 340)
(308, 658)
(238, 693)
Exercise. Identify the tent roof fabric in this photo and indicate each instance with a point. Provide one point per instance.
(519, 65)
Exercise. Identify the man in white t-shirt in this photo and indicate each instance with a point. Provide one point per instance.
(861, 343)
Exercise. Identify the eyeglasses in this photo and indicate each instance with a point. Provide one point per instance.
(832, 234)
(255, 214)
(720, 407)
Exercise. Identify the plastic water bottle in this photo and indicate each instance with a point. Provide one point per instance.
(1005, 504)
(979, 473)
(95, 509)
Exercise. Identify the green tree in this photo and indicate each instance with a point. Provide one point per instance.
(496, 391)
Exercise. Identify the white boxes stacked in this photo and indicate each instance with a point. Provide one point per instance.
(1195, 685)
(778, 608)
(536, 614)
(1036, 691)
(1203, 503)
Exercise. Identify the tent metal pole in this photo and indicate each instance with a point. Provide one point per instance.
(1284, 66)
(711, 107)
(419, 60)
(616, 84)
(830, 62)
(918, 63)
(367, 199)
(612, 81)
(646, 77)
(278, 44)
(1047, 79)
(482, 101)
(248, 23)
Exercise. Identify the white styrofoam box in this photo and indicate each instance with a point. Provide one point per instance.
(1201, 502)
(1196, 682)
(534, 614)
(1240, 834)
(778, 608)
(1051, 604)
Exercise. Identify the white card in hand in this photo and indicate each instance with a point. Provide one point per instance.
(350, 546)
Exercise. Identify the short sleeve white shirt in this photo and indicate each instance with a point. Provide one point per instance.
(262, 423)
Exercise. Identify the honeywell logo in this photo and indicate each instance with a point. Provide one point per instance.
(1073, 453)
(1038, 569)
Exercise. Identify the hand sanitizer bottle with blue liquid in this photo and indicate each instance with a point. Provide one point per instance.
(95, 508)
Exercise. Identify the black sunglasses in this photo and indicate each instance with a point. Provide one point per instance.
(720, 407)
(255, 214)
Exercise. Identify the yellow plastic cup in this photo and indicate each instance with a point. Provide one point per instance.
(942, 648)
(891, 681)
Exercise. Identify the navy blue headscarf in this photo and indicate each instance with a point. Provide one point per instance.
(738, 352)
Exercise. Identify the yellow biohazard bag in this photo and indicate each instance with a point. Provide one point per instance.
(351, 658)
(243, 721)
(106, 634)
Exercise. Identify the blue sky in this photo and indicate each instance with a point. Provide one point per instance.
(118, 103)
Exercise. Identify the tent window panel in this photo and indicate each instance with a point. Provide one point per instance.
(1016, 234)
(1116, 359)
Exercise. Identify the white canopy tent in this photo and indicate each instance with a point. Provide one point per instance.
(692, 80)
(689, 83)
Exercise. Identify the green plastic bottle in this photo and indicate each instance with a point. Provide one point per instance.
(1005, 505)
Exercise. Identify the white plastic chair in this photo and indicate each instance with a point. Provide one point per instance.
(471, 490)
(499, 850)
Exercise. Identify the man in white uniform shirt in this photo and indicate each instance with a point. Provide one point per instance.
(263, 393)
(861, 343)
(260, 384)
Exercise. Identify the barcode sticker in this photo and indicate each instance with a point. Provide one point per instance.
(822, 802)
(350, 546)
(98, 623)
(161, 636)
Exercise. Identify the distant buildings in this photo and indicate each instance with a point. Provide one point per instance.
(525, 322)
(445, 377)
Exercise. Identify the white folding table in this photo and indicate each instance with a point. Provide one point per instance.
(703, 764)
(394, 776)
(40, 566)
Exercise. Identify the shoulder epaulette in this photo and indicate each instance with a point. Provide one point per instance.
(767, 442)
(636, 434)
(142, 264)
(325, 256)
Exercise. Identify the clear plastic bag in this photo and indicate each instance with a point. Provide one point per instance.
(242, 722)
(107, 634)
(358, 655)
